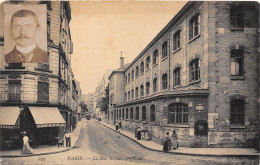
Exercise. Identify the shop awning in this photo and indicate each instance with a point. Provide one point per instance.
(8, 116)
(47, 117)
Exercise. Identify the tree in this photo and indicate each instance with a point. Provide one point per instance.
(83, 106)
(103, 104)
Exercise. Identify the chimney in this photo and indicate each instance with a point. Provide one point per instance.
(121, 60)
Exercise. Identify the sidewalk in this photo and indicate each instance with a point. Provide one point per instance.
(45, 150)
(188, 151)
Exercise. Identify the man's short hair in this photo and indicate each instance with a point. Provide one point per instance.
(25, 13)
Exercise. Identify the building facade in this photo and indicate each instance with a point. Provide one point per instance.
(198, 76)
(38, 97)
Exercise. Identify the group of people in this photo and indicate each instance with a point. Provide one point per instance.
(27, 149)
(170, 142)
(142, 134)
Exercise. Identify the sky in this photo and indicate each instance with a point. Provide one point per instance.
(101, 30)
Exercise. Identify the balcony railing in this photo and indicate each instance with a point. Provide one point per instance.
(42, 67)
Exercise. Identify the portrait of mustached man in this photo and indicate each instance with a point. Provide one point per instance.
(24, 27)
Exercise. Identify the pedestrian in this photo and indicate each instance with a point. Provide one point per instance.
(174, 140)
(138, 133)
(67, 138)
(117, 130)
(120, 124)
(135, 130)
(167, 142)
(146, 132)
(26, 146)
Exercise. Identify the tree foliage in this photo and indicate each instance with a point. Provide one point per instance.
(103, 104)
(83, 106)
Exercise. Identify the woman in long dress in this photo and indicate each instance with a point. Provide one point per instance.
(138, 134)
(26, 146)
(167, 143)
(174, 140)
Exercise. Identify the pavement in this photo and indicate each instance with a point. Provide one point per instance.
(46, 149)
(220, 152)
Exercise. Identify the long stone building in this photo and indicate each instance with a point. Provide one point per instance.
(198, 76)
(40, 98)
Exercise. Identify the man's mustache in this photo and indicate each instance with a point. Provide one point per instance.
(22, 37)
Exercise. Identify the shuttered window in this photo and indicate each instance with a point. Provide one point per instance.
(43, 92)
(14, 91)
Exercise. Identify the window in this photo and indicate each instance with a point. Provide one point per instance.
(128, 77)
(128, 95)
(237, 62)
(142, 67)
(147, 88)
(132, 94)
(125, 97)
(43, 92)
(126, 113)
(137, 71)
(136, 92)
(155, 55)
(237, 112)
(148, 62)
(125, 79)
(176, 77)
(164, 81)
(194, 70)
(155, 85)
(123, 113)
(194, 26)
(144, 113)
(164, 50)
(236, 16)
(142, 90)
(178, 113)
(131, 113)
(177, 40)
(137, 113)
(120, 113)
(152, 113)
(133, 75)
(14, 91)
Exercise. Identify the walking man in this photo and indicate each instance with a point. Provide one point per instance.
(67, 137)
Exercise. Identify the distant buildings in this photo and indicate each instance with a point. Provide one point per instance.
(41, 98)
(198, 76)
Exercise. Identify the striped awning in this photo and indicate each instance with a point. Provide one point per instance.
(9, 116)
(47, 117)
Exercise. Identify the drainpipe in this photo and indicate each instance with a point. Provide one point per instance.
(169, 61)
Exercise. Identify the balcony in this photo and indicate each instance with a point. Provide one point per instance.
(42, 67)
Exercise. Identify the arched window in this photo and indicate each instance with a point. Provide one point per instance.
(152, 113)
(237, 112)
(164, 50)
(142, 67)
(133, 74)
(128, 77)
(125, 79)
(164, 81)
(137, 113)
(136, 71)
(128, 95)
(120, 113)
(147, 88)
(126, 113)
(136, 92)
(132, 94)
(148, 62)
(177, 76)
(178, 113)
(194, 26)
(155, 85)
(155, 56)
(177, 40)
(194, 70)
(144, 113)
(142, 90)
(237, 61)
(131, 113)
(123, 113)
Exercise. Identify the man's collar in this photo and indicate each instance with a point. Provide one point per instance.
(27, 49)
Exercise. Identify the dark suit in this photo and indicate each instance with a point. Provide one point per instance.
(39, 55)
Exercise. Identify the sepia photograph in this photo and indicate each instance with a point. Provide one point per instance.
(129, 82)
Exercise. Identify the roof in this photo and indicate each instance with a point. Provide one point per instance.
(120, 70)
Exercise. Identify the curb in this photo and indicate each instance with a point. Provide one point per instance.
(181, 153)
(47, 153)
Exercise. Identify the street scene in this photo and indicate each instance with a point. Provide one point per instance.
(129, 82)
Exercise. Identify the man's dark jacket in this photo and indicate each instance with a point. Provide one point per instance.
(39, 56)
